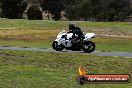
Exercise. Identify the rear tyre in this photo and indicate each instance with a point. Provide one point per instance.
(57, 47)
(88, 47)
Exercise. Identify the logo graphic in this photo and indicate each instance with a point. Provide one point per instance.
(101, 78)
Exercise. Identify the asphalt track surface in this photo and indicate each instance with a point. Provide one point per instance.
(98, 53)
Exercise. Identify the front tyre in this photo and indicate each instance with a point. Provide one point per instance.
(88, 46)
(57, 47)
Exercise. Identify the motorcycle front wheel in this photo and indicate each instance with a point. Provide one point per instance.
(57, 47)
(88, 47)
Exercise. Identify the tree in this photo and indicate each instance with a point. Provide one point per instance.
(99, 10)
(79, 9)
(110, 10)
(0, 9)
(52, 6)
(122, 8)
(13, 8)
(86, 9)
(34, 13)
(72, 9)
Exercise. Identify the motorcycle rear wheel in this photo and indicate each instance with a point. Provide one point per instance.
(57, 47)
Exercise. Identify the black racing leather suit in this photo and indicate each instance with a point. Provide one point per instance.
(76, 31)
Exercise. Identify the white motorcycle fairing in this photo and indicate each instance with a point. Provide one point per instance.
(89, 36)
(64, 40)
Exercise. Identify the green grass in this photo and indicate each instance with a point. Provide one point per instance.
(21, 43)
(113, 44)
(31, 24)
(109, 26)
(41, 33)
(107, 44)
(25, 69)
(22, 69)
(44, 24)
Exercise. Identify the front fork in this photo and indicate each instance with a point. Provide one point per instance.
(58, 40)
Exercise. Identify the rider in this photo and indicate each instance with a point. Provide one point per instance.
(77, 33)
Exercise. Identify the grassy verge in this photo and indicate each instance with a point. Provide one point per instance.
(22, 69)
(113, 44)
(37, 44)
(43, 24)
(44, 39)
(27, 38)
(41, 34)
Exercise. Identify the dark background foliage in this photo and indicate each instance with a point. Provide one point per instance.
(92, 10)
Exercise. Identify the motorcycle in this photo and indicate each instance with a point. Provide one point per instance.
(63, 40)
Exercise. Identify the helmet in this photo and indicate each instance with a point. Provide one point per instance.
(72, 27)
